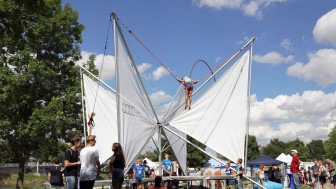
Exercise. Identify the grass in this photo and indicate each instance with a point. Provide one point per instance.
(31, 180)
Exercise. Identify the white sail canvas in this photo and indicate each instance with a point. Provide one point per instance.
(137, 120)
(218, 117)
(105, 119)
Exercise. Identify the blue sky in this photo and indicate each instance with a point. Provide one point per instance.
(293, 84)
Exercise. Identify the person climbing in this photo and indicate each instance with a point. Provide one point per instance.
(91, 122)
(188, 86)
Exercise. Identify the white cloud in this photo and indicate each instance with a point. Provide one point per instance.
(308, 116)
(252, 8)
(325, 28)
(320, 67)
(159, 73)
(219, 4)
(273, 58)
(159, 97)
(287, 44)
(144, 67)
(108, 71)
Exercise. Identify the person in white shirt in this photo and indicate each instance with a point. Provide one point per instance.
(90, 165)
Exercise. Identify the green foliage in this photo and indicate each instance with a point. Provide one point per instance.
(90, 66)
(194, 156)
(39, 85)
(150, 155)
(298, 145)
(316, 150)
(253, 148)
(274, 148)
(330, 145)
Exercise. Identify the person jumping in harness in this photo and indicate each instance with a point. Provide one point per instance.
(188, 86)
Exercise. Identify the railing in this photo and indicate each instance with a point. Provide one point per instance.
(108, 183)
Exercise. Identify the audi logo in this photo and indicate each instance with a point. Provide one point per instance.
(128, 109)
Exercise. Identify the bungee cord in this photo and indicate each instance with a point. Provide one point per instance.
(192, 69)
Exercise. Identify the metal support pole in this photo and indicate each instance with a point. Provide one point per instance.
(83, 107)
(133, 63)
(160, 149)
(248, 108)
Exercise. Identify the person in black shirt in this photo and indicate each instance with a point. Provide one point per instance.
(117, 165)
(55, 175)
(71, 163)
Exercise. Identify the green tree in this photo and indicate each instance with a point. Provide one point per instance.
(150, 155)
(39, 85)
(316, 150)
(300, 146)
(194, 156)
(274, 148)
(90, 66)
(330, 144)
(253, 148)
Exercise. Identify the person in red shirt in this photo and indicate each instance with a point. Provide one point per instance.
(294, 168)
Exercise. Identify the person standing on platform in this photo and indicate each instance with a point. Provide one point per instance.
(294, 168)
(146, 169)
(139, 174)
(167, 166)
(228, 172)
(239, 173)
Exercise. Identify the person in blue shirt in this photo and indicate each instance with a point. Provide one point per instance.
(228, 172)
(139, 174)
(146, 169)
(167, 166)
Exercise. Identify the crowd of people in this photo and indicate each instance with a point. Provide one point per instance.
(82, 166)
(321, 172)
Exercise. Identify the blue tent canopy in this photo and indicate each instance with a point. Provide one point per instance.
(265, 160)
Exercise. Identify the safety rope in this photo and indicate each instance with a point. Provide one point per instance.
(92, 114)
(161, 63)
(143, 45)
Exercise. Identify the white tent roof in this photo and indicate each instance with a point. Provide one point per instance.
(284, 158)
(151, 164)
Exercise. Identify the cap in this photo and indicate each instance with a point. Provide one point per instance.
(294, 151)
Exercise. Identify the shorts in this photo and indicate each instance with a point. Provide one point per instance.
(333, 179)
(138, 180)
(323, 179)
(118, 174)
(315, 178)
(229, 182)
(188, 87)
(165, 174)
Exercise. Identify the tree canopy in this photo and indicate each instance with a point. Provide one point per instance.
(253, 148)
(39, 82)
(330, 145)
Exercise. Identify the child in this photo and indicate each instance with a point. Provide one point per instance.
(188, 86)
(261, 174)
